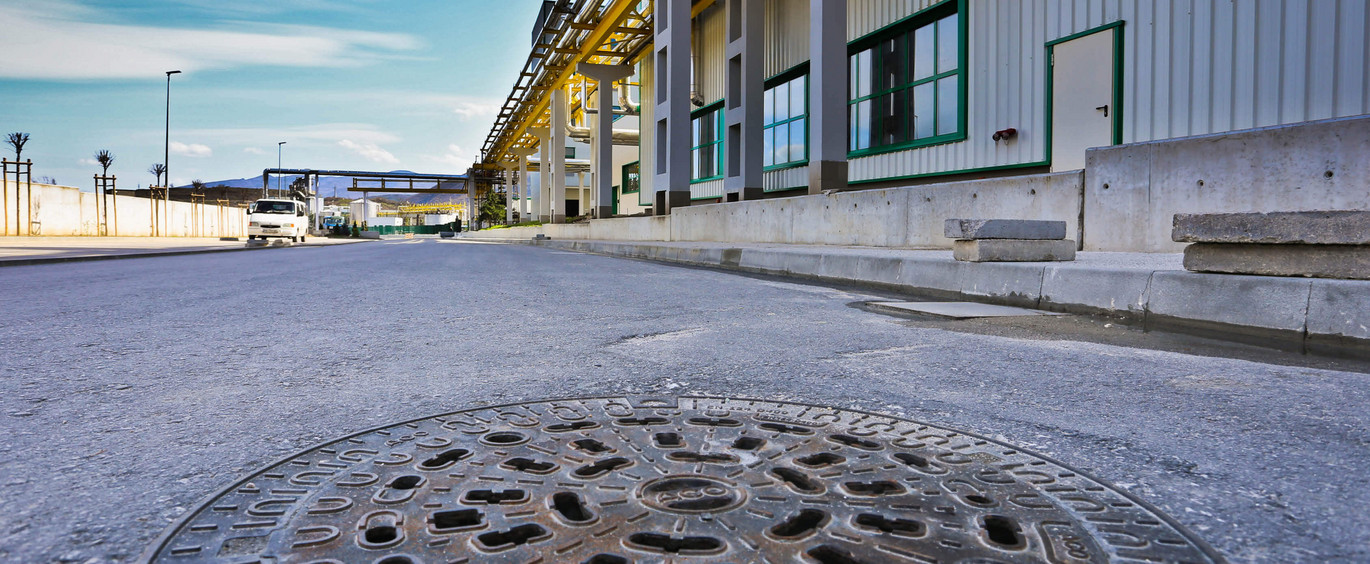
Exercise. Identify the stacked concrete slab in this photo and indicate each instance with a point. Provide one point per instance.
(1317, 244)
(1009, 240)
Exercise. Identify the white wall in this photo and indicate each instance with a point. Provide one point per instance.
(60, 211)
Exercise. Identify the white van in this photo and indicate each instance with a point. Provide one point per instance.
(277, 218)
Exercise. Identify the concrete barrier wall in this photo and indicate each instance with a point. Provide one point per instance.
(1132, 192)
(62, 211)
(909, 217)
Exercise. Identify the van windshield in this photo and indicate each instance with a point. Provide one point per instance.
(275, 207)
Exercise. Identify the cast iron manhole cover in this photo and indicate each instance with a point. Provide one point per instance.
(614, 480)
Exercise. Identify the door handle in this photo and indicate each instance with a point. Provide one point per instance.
(1104, 108)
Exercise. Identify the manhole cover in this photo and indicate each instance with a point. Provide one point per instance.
(614, 480)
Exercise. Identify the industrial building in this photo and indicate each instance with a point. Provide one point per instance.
(720, 101)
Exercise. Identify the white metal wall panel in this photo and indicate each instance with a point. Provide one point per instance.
(785, 178)
(707, 189)
(1190, 67)
(787, 35)
(710, 49)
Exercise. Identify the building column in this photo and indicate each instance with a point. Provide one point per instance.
(558, 150)
(671, 174)
(540, 200)
(606, 76)
(525, 204)
(744, 93)
(508, 191)
(827, 95)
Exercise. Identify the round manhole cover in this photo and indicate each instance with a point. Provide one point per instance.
(614, 480)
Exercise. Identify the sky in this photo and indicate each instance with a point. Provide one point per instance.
(347, 84)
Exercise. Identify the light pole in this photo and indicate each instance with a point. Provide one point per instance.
(278, 166)
(166, 144)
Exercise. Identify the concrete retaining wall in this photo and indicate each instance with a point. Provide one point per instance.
(62, 211)
(909, 217)
(1132, 192)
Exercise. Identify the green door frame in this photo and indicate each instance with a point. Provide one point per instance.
(1117, 28)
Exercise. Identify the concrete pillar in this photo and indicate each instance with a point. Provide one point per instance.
(744, 93)
(558, 150)
(603, 164)
(540, 199)
(827, 95)
(671, 137)
(508, 191)
(525, 187)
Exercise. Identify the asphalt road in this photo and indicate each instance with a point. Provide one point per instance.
(131, 390)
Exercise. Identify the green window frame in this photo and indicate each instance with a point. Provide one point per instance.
(632, 177)
(706, 148)
(785, 121)
(907, 84)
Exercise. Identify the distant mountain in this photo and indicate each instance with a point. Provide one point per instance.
(341, 187)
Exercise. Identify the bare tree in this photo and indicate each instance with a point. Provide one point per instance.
(105, 158)
(17, 140)
(158, 170)
(197, 185)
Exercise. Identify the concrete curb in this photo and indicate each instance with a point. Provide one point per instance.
(1301, 314)
(149, 254)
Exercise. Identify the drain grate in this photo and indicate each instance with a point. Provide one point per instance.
(616, 480)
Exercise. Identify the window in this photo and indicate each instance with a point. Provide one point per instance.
(785, 137)
(707, 147)
(570, 152)
(632, 177)
(906, 84)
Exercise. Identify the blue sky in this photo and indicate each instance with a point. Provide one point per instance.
(348, 84)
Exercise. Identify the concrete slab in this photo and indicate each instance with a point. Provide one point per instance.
(1004, 229)
(1305, 227)
(1013, 250)
(959, 310)
(1317, 261)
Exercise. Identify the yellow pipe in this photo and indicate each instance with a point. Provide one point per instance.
(612, 17)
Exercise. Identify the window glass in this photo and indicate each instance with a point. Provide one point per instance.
(946, 105)
(799, 96)
(863, 68)
(924, 52)
(768, 147)
(799, 146)
(768, 107)
(947, 41)
(708, 145)
(924, 112)
(863, 124)
(782, 144)
(892, 63)
(782, 102)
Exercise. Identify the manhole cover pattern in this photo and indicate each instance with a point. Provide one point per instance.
(615, 480)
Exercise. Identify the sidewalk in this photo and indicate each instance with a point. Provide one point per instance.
(1302, 314)
(18, 251)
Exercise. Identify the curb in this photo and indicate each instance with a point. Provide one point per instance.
(55, 260)
(1323, 316)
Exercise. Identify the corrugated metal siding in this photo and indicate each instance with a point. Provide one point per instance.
(710, 49)
(707, 189)
(787, 35)
(1190, 67)
(785, 178)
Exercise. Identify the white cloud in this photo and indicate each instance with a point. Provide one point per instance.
(329, 133)
(475, 109)
(60, 40)
(253, 151)
(455, 157)
(369, 151)
(193, 150)
(88, 162)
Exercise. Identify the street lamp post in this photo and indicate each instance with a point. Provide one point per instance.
(166, 145)
(278, 167)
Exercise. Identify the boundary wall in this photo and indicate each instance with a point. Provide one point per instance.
(63, 211)
(1124, 200)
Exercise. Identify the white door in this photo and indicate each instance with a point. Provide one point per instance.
(1082, 109)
